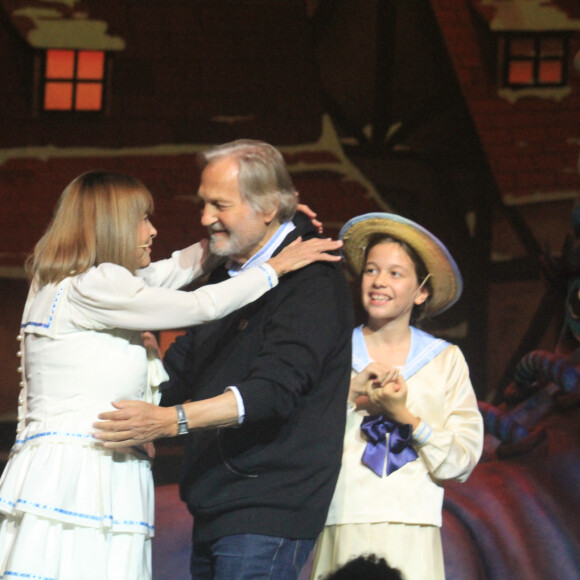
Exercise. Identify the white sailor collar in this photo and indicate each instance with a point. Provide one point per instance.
(424, 348)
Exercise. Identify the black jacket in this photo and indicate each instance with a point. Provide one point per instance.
(289, 354)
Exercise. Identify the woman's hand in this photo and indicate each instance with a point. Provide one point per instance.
(308, 212)
(135, 423)
(299, 254)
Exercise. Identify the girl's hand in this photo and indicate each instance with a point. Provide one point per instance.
(371, 377)
(390, 399)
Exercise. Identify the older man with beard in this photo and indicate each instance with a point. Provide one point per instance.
(266, 386)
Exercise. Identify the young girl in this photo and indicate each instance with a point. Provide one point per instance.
(70, 509)
(413, 420)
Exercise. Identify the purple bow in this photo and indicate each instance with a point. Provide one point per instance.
(376, 428)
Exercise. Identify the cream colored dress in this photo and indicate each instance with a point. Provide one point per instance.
(69, 509)
(397, 517)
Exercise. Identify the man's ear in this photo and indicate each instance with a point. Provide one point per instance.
(269, 216)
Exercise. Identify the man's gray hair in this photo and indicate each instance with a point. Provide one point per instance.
(263, 177)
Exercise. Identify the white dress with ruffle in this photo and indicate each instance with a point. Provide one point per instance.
(70, 509)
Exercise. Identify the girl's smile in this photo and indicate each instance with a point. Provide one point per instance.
(389, 284)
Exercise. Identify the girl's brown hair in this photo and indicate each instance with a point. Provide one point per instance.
(95, 221)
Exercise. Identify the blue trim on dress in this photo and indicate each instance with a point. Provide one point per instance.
(89, 517)
(424, 348)
(360, 354)
(26, 575)
(423, 433)
(53, 434)
(57, 510)
(8, 503)
(265, 270)
(51, 317)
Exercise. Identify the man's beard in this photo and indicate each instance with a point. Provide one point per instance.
(238, 243)
(223, 247)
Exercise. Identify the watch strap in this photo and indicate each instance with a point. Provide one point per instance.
(182, 428)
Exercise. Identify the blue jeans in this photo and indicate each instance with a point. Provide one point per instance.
(249, 557)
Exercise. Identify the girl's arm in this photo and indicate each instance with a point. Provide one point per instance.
(452, 449)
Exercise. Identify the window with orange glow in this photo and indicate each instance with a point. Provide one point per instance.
(74, 80)
(535, 61)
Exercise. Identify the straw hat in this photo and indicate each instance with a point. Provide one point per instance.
(446, 282)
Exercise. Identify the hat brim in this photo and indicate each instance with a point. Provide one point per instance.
(446, 281)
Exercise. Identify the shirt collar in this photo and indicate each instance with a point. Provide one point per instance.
(265, 253)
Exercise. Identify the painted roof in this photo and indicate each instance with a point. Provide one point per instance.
(66, 24)
(530, 15)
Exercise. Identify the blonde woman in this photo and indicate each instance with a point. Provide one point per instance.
(70, 509)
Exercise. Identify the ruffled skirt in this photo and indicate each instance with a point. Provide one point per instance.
(70, 510)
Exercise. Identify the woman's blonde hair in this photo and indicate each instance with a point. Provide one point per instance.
(95, 221)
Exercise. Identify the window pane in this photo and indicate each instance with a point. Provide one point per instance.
(58, 96)
(551, 47)
(60, 64)
(522, 47)
(91, 65)
(89, 97)
(520, 73)
(550, 72)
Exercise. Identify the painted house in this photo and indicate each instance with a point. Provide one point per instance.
(518, 64)
(441, 111)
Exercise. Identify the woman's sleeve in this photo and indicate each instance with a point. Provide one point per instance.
(182, 268)
(452, 450)
(111, 297)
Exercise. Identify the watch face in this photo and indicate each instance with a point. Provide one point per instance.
(182, 429)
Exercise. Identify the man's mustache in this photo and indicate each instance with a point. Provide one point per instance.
(215, 228)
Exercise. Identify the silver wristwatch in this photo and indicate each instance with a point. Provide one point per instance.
(182, 428)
